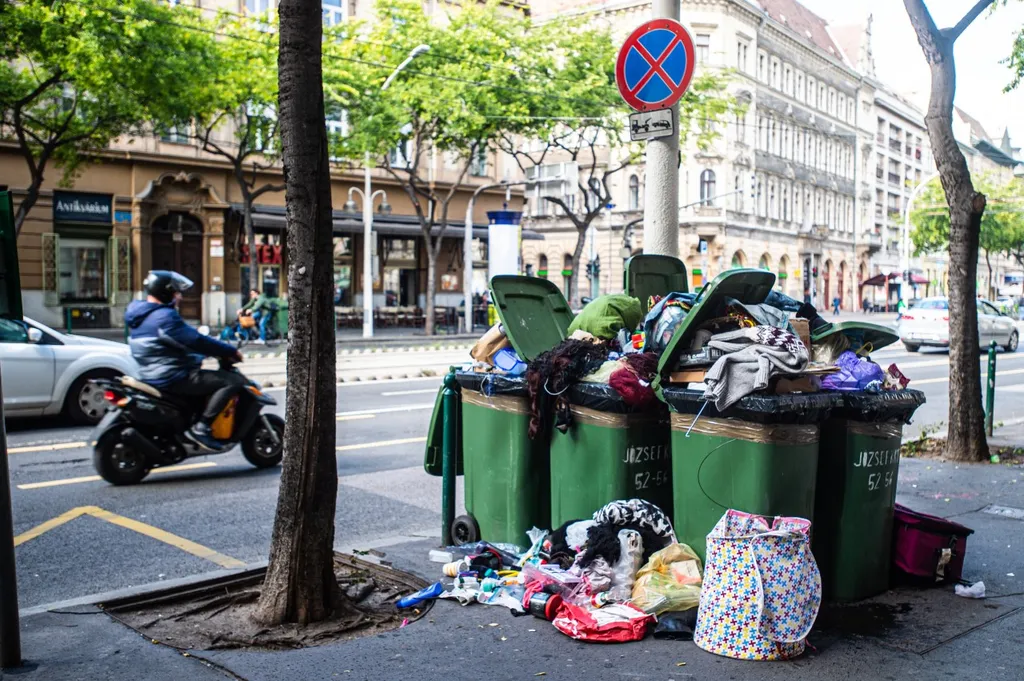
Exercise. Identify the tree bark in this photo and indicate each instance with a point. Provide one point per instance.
(300, 585)
(31, 196)
(428, 317)
(966, 440)
(577, 255)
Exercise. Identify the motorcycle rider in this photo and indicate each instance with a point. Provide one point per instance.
(170, 352)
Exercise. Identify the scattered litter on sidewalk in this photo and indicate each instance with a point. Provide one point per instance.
(976, 590)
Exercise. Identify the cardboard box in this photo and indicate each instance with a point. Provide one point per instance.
(688, 376)
(802, 328)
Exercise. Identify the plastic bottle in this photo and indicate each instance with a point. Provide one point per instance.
(600, 600)
(425, 594)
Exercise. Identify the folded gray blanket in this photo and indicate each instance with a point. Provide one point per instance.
(753, 356)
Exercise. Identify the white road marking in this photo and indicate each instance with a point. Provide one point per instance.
(387, 410)
(96, 478)
(428, 391)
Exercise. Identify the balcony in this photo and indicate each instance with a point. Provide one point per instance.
(894, 213)
(880, 137)
(917, 154)
(895, 145)
(879, 173)
(879, 212)
(894, 178)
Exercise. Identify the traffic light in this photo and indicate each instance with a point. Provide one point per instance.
(814, 271)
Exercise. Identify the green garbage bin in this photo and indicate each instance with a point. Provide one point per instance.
(653, 275)
(858, 467)
(759, 456)
(611, 451)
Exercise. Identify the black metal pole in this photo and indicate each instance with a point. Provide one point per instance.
(10, 625)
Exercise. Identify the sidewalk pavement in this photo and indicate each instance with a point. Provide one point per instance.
(905, 633)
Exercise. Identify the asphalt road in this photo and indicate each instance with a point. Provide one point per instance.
(79, 536)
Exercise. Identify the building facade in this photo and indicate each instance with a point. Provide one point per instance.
(162, 202)
(777, 190)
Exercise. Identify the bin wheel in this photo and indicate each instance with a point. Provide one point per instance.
(465, 530)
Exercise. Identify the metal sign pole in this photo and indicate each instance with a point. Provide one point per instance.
(661, 205)
(10, 626)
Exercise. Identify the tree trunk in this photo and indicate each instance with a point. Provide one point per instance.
(577, 255)
(31, 196)
(300, 585)
(988, 285)
(428, 323)
(966, 440)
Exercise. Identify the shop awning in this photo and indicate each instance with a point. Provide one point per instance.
(880, 279)
(272, 219)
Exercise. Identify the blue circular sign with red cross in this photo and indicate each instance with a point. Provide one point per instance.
(655, 65)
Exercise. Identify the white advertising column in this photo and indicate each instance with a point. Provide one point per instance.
(504, 236)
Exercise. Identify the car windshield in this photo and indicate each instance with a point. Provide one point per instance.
(933, 305)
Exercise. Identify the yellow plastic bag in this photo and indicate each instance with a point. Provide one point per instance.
(669, 582)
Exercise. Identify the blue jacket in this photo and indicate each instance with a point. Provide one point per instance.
(166, 348)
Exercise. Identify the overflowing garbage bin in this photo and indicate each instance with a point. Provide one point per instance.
(757, 456)
(858, 468)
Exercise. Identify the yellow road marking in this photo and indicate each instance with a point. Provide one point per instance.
(356, 417)
(382, 443)
(96, 478)
(174, 540)
(46, 448)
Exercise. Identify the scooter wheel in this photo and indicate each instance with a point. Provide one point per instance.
(117, 463)
(465, 530)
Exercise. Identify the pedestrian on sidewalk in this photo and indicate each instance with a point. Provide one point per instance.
(835, 306)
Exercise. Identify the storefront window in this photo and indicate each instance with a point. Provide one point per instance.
(450, 282)
(343, 293)
(269, 266)
(83, 270)
(400, 281)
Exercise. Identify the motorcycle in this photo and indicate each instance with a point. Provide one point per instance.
(147, 427)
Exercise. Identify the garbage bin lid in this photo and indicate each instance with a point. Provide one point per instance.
(654, 275)
(858, 334)
(534, 313)
(746, 285)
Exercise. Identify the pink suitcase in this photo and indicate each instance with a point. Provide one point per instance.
(928, 547)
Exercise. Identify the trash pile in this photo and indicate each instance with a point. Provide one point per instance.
(609, 578)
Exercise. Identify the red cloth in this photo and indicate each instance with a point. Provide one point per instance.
(611, 624)
(627, 384)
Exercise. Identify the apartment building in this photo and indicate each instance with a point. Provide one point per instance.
(777, 190)
(161, 202)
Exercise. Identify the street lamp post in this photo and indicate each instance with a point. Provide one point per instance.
(368, 195)
(385, 209)
(905, 237)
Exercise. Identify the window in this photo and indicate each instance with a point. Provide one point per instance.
(12, 331)
(799, 86)
(771, 200)
(478, 166)
(542, 266)
(634, 192)
(786, 149)
(401, 155)
(762, 135)
(762, 72)
(785, 204)
(702, 46)
(775, 74)
(738, 193)
(787, 80)
(83, 270)
(334, 12)
(741, 55)
(176, 134)
(566, 274)
(344, 295)
(812, 93)
(707, 187)
(758, 205)
(258, 6)
(822, 96)
(772, 138)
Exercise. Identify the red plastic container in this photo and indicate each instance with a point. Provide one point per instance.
(927, 547)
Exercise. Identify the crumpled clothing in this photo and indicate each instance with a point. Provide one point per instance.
(550, 376)
(638, 512)
(597, 575)
(603, 373)
(762, 313)
(633, 380)
(605, 315)
(663, 318)
(855, 373)
(582, 335)
(752, 357)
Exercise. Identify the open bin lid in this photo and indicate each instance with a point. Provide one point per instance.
(534, 313)
(745, 285)
(654, 275)
(858, 334)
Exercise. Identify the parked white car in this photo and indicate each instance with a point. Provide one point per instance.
(927, 324)
(46, 372)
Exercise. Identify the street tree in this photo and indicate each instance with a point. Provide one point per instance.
(300, 585)
(966, 440)
(243, 126)
(1002, 225)
(74, 76)
(485, 74)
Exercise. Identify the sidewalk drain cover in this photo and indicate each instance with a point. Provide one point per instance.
(1005, 512)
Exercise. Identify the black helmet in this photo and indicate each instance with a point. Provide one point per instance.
(163, 284)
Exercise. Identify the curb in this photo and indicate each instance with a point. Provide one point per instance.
(194, 580)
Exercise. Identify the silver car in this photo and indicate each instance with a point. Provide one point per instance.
(927, 324)
(46, 372)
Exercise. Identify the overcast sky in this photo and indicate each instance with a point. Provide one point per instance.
(980, 76)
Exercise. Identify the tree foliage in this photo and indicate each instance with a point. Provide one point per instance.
(76, 75)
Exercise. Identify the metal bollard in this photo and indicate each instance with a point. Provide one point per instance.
(67, 320)
(990, 394)
(449, 452)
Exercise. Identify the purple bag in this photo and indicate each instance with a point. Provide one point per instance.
(927, 546)
(855, 373)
